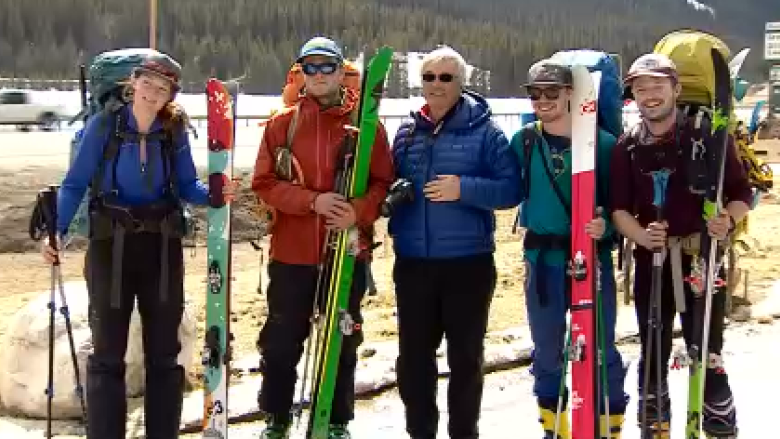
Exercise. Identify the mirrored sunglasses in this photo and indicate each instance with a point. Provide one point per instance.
(311, 69)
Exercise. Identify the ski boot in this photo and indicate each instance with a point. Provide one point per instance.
(719, 417)
(547, 419)
(338, 431)
(276, 427)
(610, 429)
(655, 428)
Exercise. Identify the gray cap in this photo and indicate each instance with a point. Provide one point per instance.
(547, 72)
(652, 64)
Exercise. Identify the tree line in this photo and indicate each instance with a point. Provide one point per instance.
(260, 39)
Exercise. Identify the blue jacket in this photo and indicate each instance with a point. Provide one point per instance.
(471, 146)
(130, 180)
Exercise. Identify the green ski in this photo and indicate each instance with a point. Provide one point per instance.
(341, 248)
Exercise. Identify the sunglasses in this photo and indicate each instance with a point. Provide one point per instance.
(443, 77)
(551, 93)
(311, 69)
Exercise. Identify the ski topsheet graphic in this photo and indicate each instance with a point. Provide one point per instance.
(216, 355)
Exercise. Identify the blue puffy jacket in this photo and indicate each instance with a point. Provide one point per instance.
(471, 146)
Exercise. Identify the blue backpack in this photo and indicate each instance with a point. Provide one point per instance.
(610, 111)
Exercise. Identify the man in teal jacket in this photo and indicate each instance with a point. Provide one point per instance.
(544, 150)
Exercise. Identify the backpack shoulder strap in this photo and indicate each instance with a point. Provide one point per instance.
(296, 111)
(113, 123)
(168, 155)
(531, 137)
(285, 164)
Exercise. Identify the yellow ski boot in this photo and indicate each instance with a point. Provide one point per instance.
(611, 429)
(547, 418)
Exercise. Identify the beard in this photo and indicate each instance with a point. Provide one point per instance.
(657, 114)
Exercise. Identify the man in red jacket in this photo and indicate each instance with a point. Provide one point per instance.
(305, 206)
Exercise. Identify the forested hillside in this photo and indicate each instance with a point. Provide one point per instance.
(46, 38)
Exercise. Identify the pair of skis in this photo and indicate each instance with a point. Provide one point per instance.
(585, 341)
(331, 320)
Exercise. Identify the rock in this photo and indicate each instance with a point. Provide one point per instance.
(769, 308)
(741, 314)
(25, 349)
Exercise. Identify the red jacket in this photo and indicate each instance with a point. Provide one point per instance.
(298, 233)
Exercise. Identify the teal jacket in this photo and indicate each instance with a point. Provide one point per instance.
(540, 210)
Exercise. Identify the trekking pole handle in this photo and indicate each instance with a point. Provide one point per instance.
(47, 200)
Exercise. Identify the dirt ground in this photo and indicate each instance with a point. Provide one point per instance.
(23, 274)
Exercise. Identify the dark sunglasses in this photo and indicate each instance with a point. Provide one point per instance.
(551, 93)
(327, 68)
(443, 77)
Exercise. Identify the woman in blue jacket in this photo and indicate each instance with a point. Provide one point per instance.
(455, 167)
(138, 164)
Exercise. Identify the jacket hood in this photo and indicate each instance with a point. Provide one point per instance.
(471, 111)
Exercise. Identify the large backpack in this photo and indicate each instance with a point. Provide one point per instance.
(690, 52)
(610, 106)
(107, 74)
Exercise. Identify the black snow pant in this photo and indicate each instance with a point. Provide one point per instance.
(291, 292)
(719, 411)
(437, 298)
(106, 398)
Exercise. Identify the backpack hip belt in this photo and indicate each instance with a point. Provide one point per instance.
(115, 222)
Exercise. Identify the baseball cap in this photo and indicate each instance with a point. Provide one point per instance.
(652, 64)
(321, 46)
(161, 65)
(546, 72)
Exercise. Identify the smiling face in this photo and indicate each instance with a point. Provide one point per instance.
(655, 96)
(441, 84)
(151, 92)
(550, 102)
(322, 75)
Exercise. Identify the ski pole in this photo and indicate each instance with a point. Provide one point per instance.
(562, 386)
(654, 330)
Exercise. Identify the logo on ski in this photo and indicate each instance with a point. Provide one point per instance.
(588, 107)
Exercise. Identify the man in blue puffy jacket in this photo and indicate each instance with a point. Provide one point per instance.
(455, 167)
(544, 151)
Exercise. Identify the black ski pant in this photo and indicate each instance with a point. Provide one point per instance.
(437, 298)
(717, 392)
(106, 398)
(291, 292)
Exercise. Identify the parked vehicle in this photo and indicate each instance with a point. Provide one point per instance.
(20, 108)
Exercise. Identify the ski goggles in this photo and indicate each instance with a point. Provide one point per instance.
(443, 77)
(551, 93)
(311, 69)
